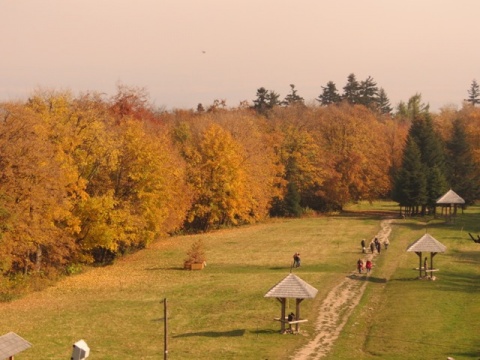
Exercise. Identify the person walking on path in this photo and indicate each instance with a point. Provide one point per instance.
(360, 265)
(372, 247)
(296, 260)
(377, 245)
(386, 243)
(368, 266)
(363, 246)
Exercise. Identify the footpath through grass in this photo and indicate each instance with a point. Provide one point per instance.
(220, 312)
(406, 318)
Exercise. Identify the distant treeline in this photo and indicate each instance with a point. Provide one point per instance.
(86, 178)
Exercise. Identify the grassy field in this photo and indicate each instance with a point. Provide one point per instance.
(221, 313)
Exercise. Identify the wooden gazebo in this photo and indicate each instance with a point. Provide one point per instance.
(426, 244)
(295, 288)
(11, 344)
(449, 203)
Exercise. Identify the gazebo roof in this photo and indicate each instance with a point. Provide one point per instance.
(11, 344)
(292, 287)
(427, 243)
(450, 197)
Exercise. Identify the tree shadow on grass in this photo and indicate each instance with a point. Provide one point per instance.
(213, 334)
(265, 331)
(471, 354)
(415, 278)
(460, 282)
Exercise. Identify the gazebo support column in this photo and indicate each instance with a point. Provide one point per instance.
(297, 315)
(282, 316)
(431, 262)
(420, 263)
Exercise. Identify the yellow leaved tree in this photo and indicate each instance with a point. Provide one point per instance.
(218, 179)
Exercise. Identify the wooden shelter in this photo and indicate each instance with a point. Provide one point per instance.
(11, 344)
(426, 244)
(449, 203)
(291, 287)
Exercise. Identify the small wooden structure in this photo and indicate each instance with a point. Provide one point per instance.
(426, 244)
(449, 203)
(291, 287)
(11, 344)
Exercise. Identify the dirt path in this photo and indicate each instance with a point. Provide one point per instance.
(337, 308)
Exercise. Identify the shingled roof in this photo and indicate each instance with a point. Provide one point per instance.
(427, 243)
(292, 287)
(11, 344)
(450, 197)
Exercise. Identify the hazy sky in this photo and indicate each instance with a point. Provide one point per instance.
(186, 52)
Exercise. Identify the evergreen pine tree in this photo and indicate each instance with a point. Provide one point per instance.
(368, 93)
(410, 186)
(432, 157)
(329, 95)
(265, 101)
(351, 90)
(292, 200)
(413, 108)
(293, 98)
(462, 174)
(383, 102)
(260, 104)
(474, 93)
(273, 99)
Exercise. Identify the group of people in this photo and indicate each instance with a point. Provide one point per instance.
(374, 245)
(360, 266)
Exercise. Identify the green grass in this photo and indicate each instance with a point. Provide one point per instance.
(221, 313)
(405, 318)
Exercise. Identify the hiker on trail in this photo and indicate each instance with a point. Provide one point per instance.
(296, 260)
(363, 246)
(425, 265)
(360, 265)
(377, 245)
(372, 247)
(368, 265)
(386, 243)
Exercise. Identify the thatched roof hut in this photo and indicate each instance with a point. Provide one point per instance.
(428, 244)
(450, 200)
(11, 344)
(291, 287)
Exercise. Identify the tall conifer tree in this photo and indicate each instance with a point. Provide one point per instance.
(351, 90)
(329, 94)
(462, 174)
(474, 94)
(410, 188)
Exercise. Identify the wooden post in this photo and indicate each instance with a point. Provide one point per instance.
(297, 315)
(282, 315)
(431, 262)
(420, 264)
(165, 327)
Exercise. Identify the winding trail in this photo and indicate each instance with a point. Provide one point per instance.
(337, 308)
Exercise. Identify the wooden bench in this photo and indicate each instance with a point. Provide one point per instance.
(291, 322)
(423, 269)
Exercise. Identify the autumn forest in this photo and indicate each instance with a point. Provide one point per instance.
(87, 178)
